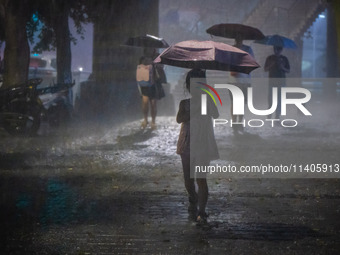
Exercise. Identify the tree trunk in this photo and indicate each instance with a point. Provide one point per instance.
(63, 42)
(17, 51)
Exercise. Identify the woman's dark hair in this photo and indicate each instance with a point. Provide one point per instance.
(194, 73)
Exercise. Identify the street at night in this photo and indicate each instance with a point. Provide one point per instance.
(170, 127)
(102, 189)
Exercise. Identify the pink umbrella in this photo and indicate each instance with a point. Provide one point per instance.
(208, 55)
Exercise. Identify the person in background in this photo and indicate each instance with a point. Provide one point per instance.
(150, 78)
(277, 66)
(242, 81)
(144, 77)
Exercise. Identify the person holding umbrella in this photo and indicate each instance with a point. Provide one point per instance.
(149, 76)
(242, 81)
(145, 80)
(190, 141)
(277, 66)
(196, 142)
(239, 32)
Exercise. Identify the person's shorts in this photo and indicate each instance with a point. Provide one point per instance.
(150, 92)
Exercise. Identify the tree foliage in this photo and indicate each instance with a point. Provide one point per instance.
(21, 19)
(55, 33)
(78, 10)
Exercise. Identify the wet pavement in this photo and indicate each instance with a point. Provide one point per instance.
(93, 188)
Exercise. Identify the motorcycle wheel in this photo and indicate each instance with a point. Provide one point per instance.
(23, 120)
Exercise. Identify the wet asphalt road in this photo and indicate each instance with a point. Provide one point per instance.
(107, 189)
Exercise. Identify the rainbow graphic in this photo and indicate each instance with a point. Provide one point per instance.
(212, 89)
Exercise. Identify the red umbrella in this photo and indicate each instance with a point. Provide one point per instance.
(208, 55)
(231, 30)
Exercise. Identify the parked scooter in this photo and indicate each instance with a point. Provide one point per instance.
(20, 108)
(56, 103)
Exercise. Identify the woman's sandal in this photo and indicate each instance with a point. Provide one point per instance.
(153, 126)
(202, 218)
(144, 124)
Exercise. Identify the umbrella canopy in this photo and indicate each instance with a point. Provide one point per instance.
(278, 40)
(207, 55)
(230, 30)
(147, 41)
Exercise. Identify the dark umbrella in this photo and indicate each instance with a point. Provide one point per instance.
(147, 41)
(278, 40)
(231, 30)
(208, 55)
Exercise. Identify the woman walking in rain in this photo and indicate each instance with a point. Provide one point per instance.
(144, 77)
(196, 145)
(149, 77)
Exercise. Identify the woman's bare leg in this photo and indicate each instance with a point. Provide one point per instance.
(153, 103)
(189, 182)
(145, 109)
(202, 195)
